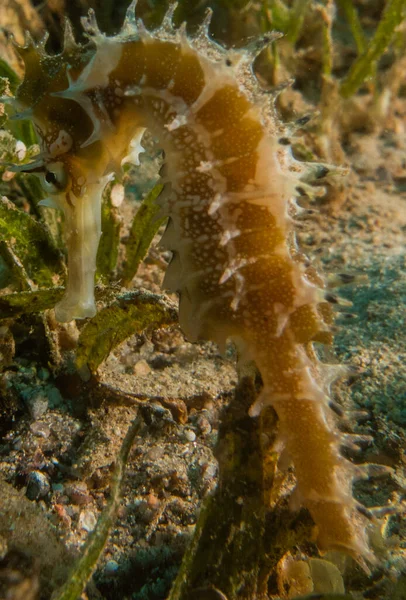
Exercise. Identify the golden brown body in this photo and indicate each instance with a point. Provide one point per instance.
(228, 191)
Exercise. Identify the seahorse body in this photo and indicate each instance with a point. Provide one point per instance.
(228, 197)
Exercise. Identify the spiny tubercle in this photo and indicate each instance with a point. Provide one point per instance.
(229, 198)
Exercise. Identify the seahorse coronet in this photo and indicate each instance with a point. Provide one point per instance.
(229, 194)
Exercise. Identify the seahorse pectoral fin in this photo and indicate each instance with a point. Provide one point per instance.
(83, 231)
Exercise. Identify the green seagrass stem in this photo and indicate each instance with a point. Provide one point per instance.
(352, 17)
(364, 65)
(298, 13)
(225, 554)
(83, 569)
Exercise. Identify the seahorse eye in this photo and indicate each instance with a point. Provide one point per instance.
(55, 179)
(50, 177)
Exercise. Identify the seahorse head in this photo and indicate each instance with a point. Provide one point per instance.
(75, 160)
(61, 123)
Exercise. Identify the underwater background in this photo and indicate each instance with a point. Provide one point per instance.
(115, 431)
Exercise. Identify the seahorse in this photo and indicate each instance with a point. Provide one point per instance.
(230, 195)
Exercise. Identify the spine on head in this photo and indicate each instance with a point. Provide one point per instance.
(230, 205)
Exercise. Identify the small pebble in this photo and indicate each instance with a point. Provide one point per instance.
(63, 515)
(43, 373)
(87, 520)
(58, 488)
(154, 454)
(17, 443)
(37, 485)
(40, 429)
(209, 471)
(204, 425)
(147, 348)
(78, 493)
(141, 368)
(190, 435)
(37, 405)
(54, 396)
(153, 501)
(111, 567)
